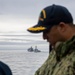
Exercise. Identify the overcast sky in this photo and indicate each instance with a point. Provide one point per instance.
(18, 15)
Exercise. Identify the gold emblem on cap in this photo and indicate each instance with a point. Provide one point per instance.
(37, 28)
(44, 15)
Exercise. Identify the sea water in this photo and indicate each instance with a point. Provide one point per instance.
(13, 52)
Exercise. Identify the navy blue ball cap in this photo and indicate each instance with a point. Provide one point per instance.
(50, 16)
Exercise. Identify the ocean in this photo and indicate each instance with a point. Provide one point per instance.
(13, 52)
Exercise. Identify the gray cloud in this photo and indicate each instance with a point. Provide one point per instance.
(31, 7)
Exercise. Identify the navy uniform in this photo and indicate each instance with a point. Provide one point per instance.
(61, 61)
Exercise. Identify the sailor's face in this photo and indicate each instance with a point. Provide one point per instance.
(52, 35)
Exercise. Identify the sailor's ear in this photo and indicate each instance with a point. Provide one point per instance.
(62, 26)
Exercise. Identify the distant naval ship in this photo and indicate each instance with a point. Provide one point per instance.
(33, 50)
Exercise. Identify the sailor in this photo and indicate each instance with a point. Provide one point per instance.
(56, 24)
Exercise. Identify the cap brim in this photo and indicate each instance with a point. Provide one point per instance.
(36, 29)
